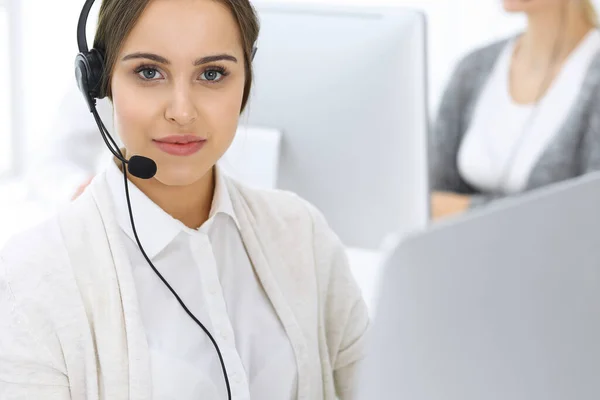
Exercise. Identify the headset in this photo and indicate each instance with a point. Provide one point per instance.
(89, 73)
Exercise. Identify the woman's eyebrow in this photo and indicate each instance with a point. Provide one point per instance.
(163, 60)
(148, 56)
(218, 57)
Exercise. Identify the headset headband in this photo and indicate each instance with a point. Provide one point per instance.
(81, 26)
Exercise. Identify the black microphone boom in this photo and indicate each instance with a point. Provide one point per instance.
(138, 166)
(89, 70)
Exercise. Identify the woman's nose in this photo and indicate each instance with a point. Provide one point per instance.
(182, 109)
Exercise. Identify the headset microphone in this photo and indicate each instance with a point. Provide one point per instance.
(89, 70)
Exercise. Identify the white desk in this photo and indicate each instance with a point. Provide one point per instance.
(366, 266)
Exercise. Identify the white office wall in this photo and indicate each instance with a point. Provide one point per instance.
(49, 46)
(454, 28)
(5, 92)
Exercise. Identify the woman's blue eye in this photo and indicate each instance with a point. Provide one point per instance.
(212, 75)
(149, 74)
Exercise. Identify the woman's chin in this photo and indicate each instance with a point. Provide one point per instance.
(182, 176)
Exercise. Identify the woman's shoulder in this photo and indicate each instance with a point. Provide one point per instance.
(40, 253)
(292, 224)
(589, 95)
(30, 261)
(471, 72)
(592, 79)
(278, 207)
(491, 49)
(33, 243)
(482, 57)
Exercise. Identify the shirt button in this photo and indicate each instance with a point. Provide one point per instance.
(212, 290)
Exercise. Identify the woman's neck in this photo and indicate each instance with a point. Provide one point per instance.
(562, 28)
(189, 204)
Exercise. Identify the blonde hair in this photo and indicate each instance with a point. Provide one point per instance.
(589, 12)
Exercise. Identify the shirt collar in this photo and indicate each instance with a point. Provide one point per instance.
(156, 228)
(222, 203)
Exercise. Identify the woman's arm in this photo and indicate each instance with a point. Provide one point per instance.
(590, 143)
(28, 369)
(345, 311)
(351, 352)
(444, 143)
(447, 133)
(446, 204)
(454, 115)
(451, 195)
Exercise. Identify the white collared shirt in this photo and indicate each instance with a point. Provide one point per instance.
(212, 273)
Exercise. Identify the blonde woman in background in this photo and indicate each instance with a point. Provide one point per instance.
(521, 113)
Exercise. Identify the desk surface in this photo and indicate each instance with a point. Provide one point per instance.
(366, 265)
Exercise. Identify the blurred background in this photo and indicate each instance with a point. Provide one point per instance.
(37, 49)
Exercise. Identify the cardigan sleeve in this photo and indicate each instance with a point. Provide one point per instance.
(28, 369)
(446, 135)
(453, 117)
(590, 142)
(345, 311)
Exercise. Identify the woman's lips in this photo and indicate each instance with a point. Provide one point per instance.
(180, 145)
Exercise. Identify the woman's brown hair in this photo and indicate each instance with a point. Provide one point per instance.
(118, 17)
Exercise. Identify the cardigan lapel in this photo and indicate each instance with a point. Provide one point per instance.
(262, 258)
(137, 346)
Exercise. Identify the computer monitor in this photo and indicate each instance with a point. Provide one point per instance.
(502, 304)
(346, 87)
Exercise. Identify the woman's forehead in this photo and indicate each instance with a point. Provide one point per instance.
(185, 27)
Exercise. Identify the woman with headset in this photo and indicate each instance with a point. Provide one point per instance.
(521, 113)
(166, 279)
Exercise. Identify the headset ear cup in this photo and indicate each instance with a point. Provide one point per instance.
(89, 68)
(81, 73)
(96, 70)
(82, 77)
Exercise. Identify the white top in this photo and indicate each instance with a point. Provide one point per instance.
(72, 326)
(211, 272)
(505, 139)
